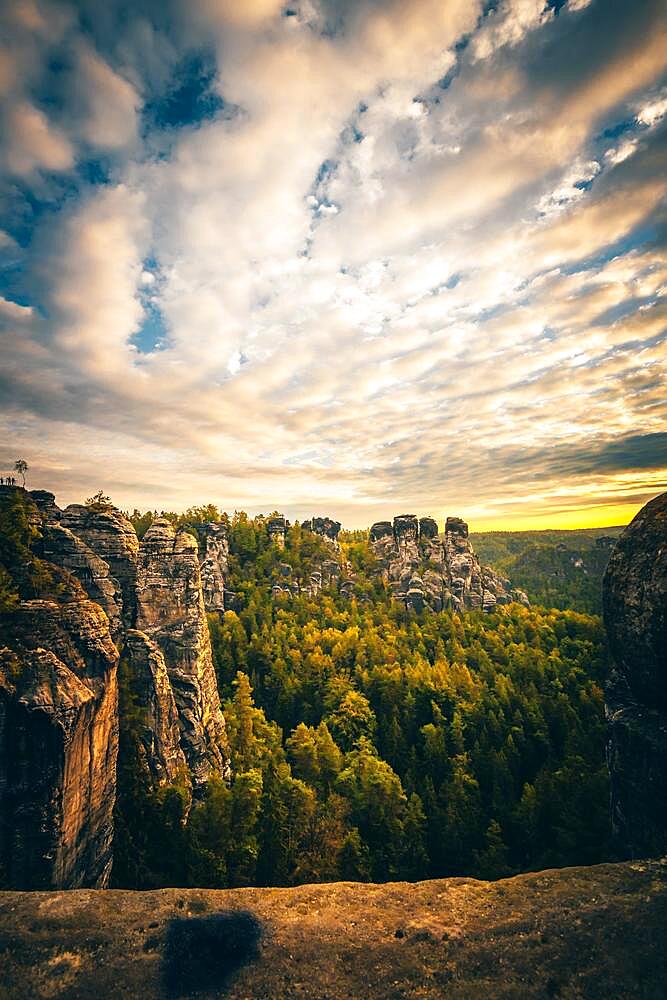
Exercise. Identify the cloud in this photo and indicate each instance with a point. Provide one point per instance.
(32, 143)
(380, 256)
(108, 102)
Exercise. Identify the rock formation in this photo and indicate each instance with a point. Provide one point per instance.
(323, 573)
(59, 685)
(324, 526)
(63, 548)
(277, 528)
(160, 746)
(213, 566)
(424, 571)
(635, 615)
(111, 537)
(58, 743)
(170, 610)
(592, 933)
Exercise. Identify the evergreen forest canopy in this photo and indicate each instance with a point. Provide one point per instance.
(557, 568)
(370, 742)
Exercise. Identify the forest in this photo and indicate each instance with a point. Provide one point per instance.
(557, 568)
(368, 742)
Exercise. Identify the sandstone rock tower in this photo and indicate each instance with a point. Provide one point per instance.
(635, 615)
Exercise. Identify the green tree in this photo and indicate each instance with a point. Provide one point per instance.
(353, 720)
(491, 862)
(21, 466)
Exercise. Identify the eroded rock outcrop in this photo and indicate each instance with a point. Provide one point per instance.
(58, 742)
(59, 679)
(277, 528)
(324, 526)
(159, 740)
(213, 566)
(63, 548)
(110, 535)
(635, 615)
(424, 570)
(171, 612)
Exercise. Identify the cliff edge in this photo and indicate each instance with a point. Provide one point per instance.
(575, 932)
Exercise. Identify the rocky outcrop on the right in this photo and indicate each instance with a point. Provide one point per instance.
(635, 615)
(426, 571)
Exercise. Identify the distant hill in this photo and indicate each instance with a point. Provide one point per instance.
(557, 568)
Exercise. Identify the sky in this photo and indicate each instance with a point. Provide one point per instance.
(344, 257)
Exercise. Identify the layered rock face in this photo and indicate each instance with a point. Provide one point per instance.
(112, 538)
(635, 615)
(160, 745)
(171, 613)
(425, 571)
(213, 566)
(63, 548)
(277, 528)
(59, 684)
(58, 743)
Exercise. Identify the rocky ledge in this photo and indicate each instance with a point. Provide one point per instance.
(575, 932)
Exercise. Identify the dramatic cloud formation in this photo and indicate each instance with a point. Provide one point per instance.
(337, 257)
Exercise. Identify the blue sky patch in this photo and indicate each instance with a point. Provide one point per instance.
(189, 97)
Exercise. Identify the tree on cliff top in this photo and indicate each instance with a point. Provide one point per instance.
(100, 502)
(21, 466)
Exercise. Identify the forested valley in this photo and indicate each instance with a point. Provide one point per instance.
(371, 742)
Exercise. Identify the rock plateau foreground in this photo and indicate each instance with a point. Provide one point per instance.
(594, 932)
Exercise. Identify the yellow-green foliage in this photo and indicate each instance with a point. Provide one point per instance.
(371, 742)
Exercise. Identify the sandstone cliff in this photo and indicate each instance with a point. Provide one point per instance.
(58, 743)
(170, 610)
(160, 739)
(424, 570)
(635, 614)
(59, 685)
(63, 548)
(112, 538)
(213, 565)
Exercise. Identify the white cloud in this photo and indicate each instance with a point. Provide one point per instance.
(621, 152)
(13, 311)
(109, 103)
(32, 143)
(653, 112)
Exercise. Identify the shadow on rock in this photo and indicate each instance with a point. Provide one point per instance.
(204, 953)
